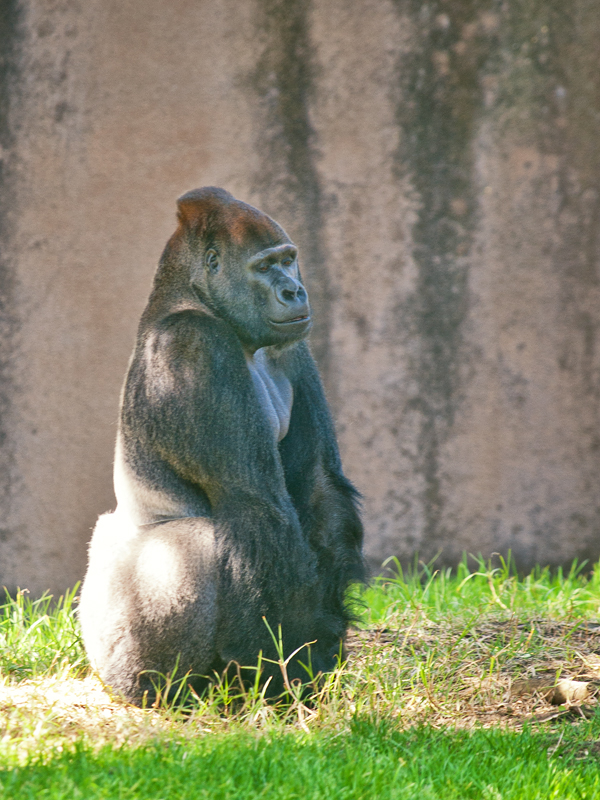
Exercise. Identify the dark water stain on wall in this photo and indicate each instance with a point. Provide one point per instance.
(9, 78)
(564, 48)
(550, 97)
(283, 80)
(570, 127)
(439, 102)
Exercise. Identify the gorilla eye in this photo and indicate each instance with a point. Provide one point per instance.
(212, 260)
(263, 267)
(287, 262)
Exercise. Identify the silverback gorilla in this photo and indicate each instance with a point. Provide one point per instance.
(232, 507)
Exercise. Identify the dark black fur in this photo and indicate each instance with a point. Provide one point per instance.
(217, 523)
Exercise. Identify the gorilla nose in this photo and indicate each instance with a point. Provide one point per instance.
(291, 292)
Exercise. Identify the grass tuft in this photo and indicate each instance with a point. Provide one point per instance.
(40, 637)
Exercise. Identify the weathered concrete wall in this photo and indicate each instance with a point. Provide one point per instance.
(438, 164)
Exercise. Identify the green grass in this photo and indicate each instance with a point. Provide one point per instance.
(445, 695)
(39, 637)
(368, 761)
(475, 588)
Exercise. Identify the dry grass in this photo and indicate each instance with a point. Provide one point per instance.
(500, 672)
(51, 714)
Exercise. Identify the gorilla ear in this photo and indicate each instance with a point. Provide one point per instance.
(196, 209)
(211, 259)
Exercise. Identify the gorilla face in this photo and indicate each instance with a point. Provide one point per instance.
(260, 293)
(246, 270)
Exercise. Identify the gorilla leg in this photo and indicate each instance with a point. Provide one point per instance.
(149, 602)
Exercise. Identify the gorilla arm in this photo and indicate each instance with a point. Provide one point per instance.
(325, 500)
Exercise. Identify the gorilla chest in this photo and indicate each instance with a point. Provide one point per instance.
(274, 392)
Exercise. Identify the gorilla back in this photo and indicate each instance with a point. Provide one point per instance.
(232, 507)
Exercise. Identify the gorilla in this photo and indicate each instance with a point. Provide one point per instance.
(232, 508)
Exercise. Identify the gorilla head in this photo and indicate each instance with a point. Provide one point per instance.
(244, 267)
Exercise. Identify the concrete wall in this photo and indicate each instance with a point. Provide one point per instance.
(438, 164)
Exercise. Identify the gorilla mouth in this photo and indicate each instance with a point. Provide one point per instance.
(293, 321)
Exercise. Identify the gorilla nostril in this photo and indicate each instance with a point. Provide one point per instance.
(289, 294)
